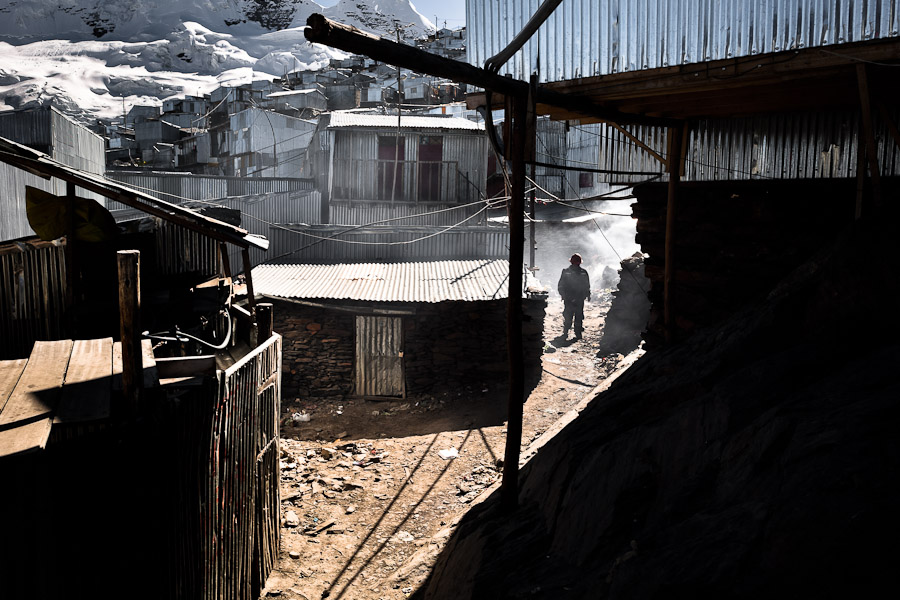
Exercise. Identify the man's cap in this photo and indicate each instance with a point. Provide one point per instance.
(576, 259)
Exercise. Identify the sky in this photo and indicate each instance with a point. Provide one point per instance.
(453, 11)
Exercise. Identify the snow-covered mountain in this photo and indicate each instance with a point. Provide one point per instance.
(86, 56)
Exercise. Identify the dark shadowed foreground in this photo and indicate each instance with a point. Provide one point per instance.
(759, 459)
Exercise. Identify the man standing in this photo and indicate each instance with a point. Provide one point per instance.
(574, 287)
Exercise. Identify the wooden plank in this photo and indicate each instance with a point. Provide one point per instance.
(29, 437)
(10, 371)
(148, 361)
(37, 392)
(186, 366)
(88, 387)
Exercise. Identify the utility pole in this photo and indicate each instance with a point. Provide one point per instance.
(398, 29)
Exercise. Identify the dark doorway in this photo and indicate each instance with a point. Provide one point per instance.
(431, 155)
(390, 167)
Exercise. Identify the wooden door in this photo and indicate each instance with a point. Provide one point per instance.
(379, 356)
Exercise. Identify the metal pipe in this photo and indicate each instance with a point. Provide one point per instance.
(543, 13)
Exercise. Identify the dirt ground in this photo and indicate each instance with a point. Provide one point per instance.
(370, 490)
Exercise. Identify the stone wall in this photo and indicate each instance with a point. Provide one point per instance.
(317, 353)
(448, 345)
(454, 344)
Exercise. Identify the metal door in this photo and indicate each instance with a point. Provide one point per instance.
(379, 356)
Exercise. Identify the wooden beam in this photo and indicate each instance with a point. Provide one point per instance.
(325, 31)
(674, 168)
(129, 264)
(509, 489)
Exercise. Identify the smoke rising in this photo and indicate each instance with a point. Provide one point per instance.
(603, 240)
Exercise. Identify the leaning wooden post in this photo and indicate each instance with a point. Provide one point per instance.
(129, 263)
(509, 489)
(226, 263)
(673, 164)
(251, 298)
(71, 267)
(264, 320)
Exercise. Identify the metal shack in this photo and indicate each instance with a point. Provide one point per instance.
(361, 158)
(397, 329)
(146, 469)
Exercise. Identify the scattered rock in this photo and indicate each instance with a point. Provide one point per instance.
(291, 519)
(351, 509)
(294, 554)
(448, 453)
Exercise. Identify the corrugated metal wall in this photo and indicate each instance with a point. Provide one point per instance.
(435, 244)
(277, 142)
(32, 295)
(259, 212)
(361, 213)
(468, 151)
(791, 146)
(180, 187)
(48, 131)
(180, 250)
(584, 38)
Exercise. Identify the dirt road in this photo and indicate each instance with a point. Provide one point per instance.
(370, 490)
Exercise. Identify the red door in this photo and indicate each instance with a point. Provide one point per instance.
(431, 153)
(390, 166)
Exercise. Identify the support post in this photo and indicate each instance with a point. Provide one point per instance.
(251, 298)
(71, 267)
(264, 320)
(531, 138)
(865, 103)
(673, 166)
(226, 262)
(509, 489)
(129, 265)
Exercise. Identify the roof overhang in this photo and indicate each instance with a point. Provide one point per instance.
(819, 78)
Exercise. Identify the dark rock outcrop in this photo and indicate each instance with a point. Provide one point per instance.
(627, 317)
(758, 459)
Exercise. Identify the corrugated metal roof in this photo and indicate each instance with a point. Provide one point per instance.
(468, 280)
(586, 38)
(352, 119)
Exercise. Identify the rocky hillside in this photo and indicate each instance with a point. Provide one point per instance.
(93, 58)
(755, 460)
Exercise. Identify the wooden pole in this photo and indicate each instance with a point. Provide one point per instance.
(531, 138)
(673, 165)
(509, 489)
(71, 266)
(251, 298)
(865, 103)
(226, 262)
(264, 320)
(129, 264)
